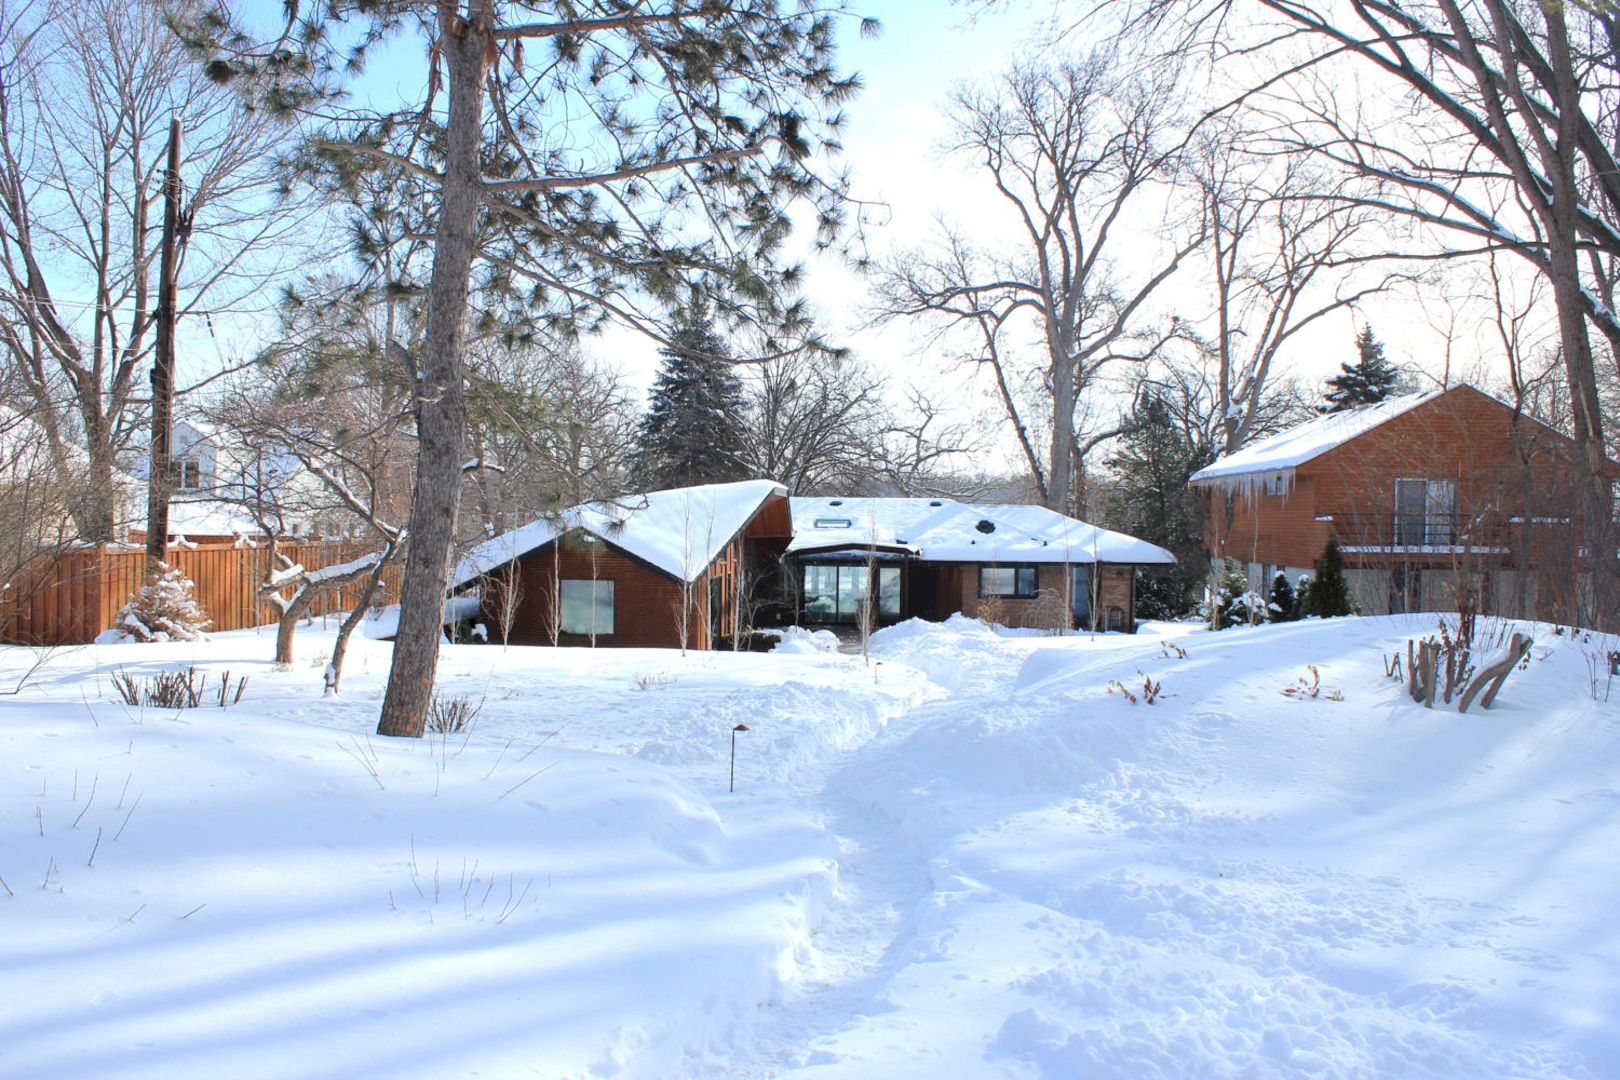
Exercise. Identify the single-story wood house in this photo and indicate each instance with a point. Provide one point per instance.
(645, 570)
(697, 564)
(1024, 566)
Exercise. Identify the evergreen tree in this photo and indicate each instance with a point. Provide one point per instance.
(1232, 600)
(1282, 605)
(1368, 381)
(692, 432)
(1329, 593)
(1152, 501)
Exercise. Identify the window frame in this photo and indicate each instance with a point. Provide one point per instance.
(181, 464)
(1019, 570)
(594, 584)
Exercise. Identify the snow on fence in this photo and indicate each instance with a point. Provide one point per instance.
(77, 595)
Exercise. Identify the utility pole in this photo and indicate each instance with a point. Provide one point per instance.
(161, 479)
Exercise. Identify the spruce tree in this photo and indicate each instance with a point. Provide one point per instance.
(1329, 593)
(1232, 599)
(1153, 501)
(1369, 380)
(1282, 605)
(692, 432)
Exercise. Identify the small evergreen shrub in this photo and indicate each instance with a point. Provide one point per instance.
(1234, 604)
(1329, 593)
(1283, 604)
(165, 609)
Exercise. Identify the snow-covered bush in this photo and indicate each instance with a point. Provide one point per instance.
(165, 609)
(1283, 604)
(1233, 604)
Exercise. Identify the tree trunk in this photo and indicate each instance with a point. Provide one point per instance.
(289, 623)
(340, 648)
(160, 464)
(97, 513)
(441, 409)
(1060, 469)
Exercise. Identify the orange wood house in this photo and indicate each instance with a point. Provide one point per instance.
(661, 569)
(1428, 495)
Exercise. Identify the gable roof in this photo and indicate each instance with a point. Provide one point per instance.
(1280, 454)
(943, 530)
(679, 531)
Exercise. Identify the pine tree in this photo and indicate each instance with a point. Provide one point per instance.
(692, 432)
(1232, 599)
(1369, 380)
(1153, 501)
(1282, 605)
(1329, 593)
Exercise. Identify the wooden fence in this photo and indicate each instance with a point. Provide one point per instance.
(78, 594)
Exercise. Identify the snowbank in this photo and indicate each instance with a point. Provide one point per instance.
(973, 856)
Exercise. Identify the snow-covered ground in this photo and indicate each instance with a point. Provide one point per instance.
(969, 858)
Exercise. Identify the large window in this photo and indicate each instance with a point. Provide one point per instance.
(1425, 512)
(1015, 581)
(587, 607)
(835, 593)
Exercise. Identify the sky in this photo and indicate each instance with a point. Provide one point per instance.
(893, 148)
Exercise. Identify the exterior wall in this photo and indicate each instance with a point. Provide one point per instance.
(646, 602)
(1513, 504)
(1116, 589)
(1349, 492)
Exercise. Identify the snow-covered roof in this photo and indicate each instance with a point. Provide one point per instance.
(679, 531)
(1280, 454)
(943, 530)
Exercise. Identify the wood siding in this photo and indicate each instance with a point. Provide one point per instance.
(1503, 471)
(1512, 516)
(646, 601)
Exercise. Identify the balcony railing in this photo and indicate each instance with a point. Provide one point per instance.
(1446, 532)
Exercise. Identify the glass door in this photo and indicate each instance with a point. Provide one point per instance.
(1080, 595)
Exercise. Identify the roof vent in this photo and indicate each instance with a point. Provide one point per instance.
(935, 502)
(985, 525)
(835, 502)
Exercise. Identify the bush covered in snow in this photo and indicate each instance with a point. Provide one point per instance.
(165, 609)
(1233, 604)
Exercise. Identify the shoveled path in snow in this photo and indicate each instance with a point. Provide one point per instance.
(885, 878)
(1041, 879)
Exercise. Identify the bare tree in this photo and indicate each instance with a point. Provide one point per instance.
(1505, 141)
(1282, 259)
(1076, 151)
(87, 90)
(559, 427)
(813, 421)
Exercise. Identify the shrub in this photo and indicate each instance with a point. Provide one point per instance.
(165, 609)
(1329, 593)
(1283, 604)
(452, 715)
(1234, 604)
(176, 689)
